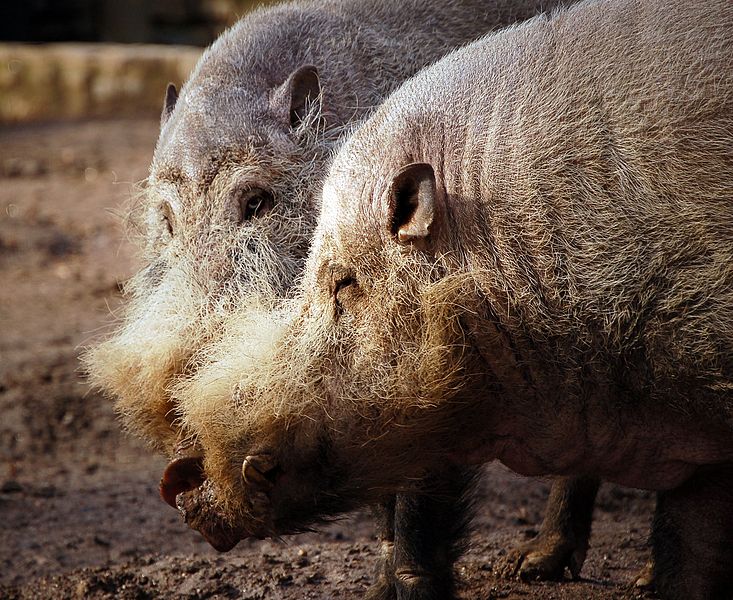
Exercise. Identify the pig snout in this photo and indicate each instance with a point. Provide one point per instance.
(183, 474)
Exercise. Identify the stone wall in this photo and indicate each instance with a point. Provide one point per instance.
(52, 81)
(102, 58)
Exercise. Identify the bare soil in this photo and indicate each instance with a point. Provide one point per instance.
(80, 515)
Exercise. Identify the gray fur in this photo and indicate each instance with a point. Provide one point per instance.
(228, 130)
(250, 117)
(569, 311)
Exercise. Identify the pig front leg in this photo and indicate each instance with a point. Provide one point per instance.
(563, 537)
(383, 587)
(429, 533)
(692, 537)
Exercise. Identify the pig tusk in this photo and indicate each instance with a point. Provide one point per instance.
(255, 469)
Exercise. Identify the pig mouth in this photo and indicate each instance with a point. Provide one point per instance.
(185, 487)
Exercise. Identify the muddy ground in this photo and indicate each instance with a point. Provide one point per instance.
(80, 515)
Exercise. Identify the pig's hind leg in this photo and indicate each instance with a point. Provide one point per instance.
(692, 537)
(563, 537)
(430, 533)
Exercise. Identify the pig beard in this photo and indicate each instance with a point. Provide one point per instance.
(167, 324)
(262, 385)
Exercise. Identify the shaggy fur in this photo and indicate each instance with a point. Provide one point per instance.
(229, 131)
(569, 312)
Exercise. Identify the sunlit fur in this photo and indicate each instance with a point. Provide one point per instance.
(574, 312)
(227, 132)
(211, 268)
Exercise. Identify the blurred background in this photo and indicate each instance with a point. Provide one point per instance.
(79, 58)
(191, 22)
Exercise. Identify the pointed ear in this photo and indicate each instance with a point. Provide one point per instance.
(412, 204)
(171, 97)
(291, 99)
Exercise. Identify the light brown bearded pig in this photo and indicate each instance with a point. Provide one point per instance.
(525, 254)
(231, 203)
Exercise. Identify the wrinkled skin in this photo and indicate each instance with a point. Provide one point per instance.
(229, 208)
(541, 275)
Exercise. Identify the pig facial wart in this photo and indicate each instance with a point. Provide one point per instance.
(259, 472)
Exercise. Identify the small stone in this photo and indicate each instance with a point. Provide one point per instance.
(11, 487)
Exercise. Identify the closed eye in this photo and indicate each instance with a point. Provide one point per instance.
(344, 288)
(346, 282)
(168, 218)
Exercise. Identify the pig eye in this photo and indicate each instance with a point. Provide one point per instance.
(344, 289)
(253, 203)
(167, 218)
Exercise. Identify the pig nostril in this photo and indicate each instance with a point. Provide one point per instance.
(181, 475)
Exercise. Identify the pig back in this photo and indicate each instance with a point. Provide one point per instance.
(588, 164)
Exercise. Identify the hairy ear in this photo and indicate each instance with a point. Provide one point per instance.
(171, 97)
(290, 100)
(412, 204)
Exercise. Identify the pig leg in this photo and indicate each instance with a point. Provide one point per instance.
(383, 588)
(563, 537)
(692, 537)
(430, 531)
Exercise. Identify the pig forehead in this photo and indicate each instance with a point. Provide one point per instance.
(330, 209)
(350, 221)
(198, 142)
(340, 209)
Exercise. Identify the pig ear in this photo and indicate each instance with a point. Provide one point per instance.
(291, 99)
(412, 203)
(171, 97)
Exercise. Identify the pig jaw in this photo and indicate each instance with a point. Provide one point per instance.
(288, 491)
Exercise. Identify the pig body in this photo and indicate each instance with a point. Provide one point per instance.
(524, 254)
(232, 198)
(231, 202)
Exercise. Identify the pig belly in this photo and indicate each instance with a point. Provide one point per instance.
(640, 461)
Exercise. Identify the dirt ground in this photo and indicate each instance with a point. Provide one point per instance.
(80, 515)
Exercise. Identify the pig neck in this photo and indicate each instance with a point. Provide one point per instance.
(585, 287)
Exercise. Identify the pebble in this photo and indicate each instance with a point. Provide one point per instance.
(11, 487)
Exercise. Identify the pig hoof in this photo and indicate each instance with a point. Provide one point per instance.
(421, 585)
(645, 578)
(382, 589)
(257, 471)
(542, 560)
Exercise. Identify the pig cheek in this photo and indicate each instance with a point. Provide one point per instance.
(293, 495)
